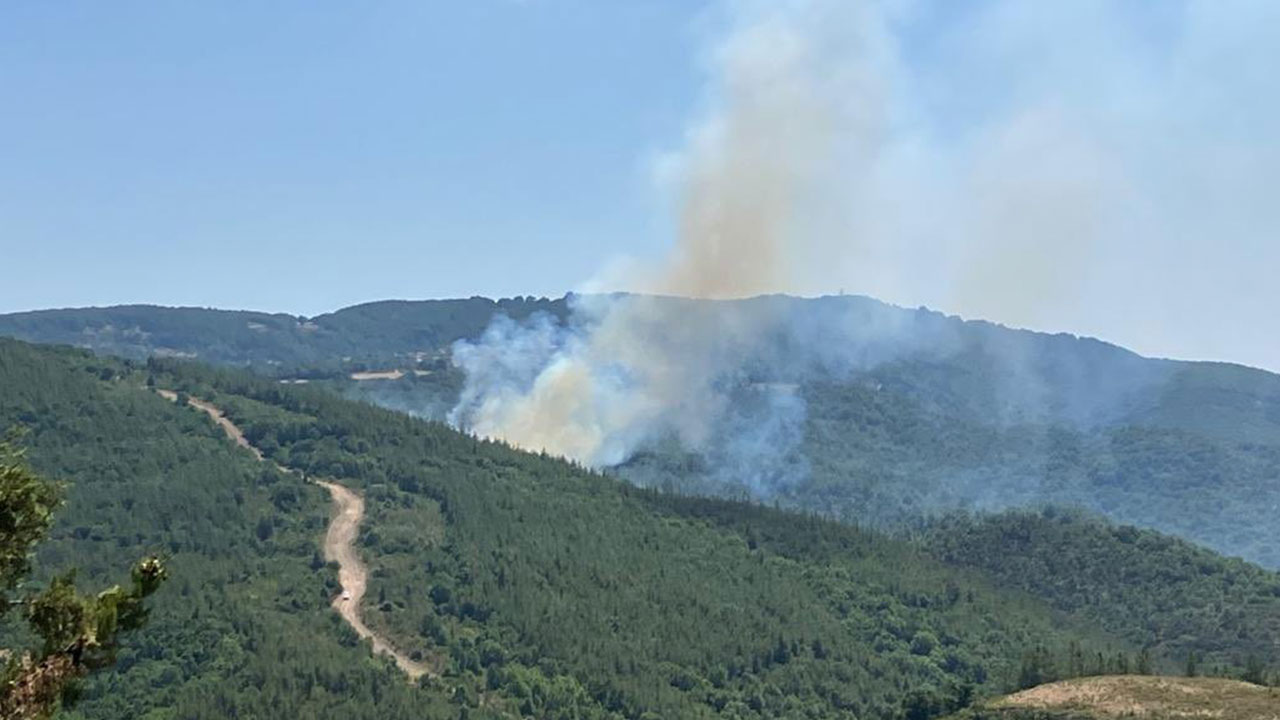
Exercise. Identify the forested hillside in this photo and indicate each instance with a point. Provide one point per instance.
(370, 335)
(551, 586)
(909, 414)
(243, 628)
(1159, 592)
(540, 588)
(901, 413)
(878, 455)
(500, 524)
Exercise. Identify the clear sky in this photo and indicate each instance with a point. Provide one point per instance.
(302, 156)
(1107, 168)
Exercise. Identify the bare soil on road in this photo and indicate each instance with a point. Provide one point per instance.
(339, 546)
(227, 426)
(378, 375)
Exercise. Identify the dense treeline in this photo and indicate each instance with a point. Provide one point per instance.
(1161, 593)
(878, 453)
(909, 412)
(358, 337)
(540, 589)
(243, 627)
(551, 587)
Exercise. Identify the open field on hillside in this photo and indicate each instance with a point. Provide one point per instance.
(1131, 696)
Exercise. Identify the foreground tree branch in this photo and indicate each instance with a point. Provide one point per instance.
(80, 633)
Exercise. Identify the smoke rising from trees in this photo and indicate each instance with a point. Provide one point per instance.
(1083, 161)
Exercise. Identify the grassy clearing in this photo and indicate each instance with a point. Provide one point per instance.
(1133, 696)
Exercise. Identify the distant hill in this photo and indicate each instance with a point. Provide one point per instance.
(376, 333)
(909, 413)
(905, 413)
(1192, 455)
(1137, 697)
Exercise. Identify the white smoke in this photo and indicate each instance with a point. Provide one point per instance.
(1012, 160)
(635, 367)
(628, 369)
(1090, 166)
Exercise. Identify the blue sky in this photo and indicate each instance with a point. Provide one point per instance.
(276, 156)
(1104, 168)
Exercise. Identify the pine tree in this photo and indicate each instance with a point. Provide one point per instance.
(1192, 668)
(79, 633)
(1144, 662)
(1254, 670)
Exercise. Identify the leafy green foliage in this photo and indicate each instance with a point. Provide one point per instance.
(909, 412)
(549, 588)
(545, 590)
(243, 627)
(1159, 592)
(78, 633)
(27, 502)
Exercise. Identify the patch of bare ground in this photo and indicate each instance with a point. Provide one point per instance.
(339, 545)
(1150, 697)
(378, 375)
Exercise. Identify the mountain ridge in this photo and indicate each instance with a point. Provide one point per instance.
(903, 413)
(11, 323)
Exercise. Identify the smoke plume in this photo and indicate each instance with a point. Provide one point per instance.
(632, 368)
(1021, 161)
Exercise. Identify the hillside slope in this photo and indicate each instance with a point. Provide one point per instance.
(244, 627)
(904, 412)
(551, 591)
(1159, 592)
(629, 601)
(515, 522)
(1145, 698)
(273, 343)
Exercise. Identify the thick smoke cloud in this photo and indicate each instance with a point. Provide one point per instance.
(634, 368)
(1027, 162)
(626, 371)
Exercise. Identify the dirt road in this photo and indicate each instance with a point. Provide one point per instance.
(229, 427)
(339, 545)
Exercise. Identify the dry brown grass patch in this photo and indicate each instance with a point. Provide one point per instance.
(1133, 696)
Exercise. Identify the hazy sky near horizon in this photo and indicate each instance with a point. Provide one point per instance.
(1103, 168)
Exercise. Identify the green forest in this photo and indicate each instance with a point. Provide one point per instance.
(326, 346)
(541, 589)
(908, 413)
(243, 627)
(640, 360)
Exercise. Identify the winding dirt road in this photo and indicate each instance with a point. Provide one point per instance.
(339, 545)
